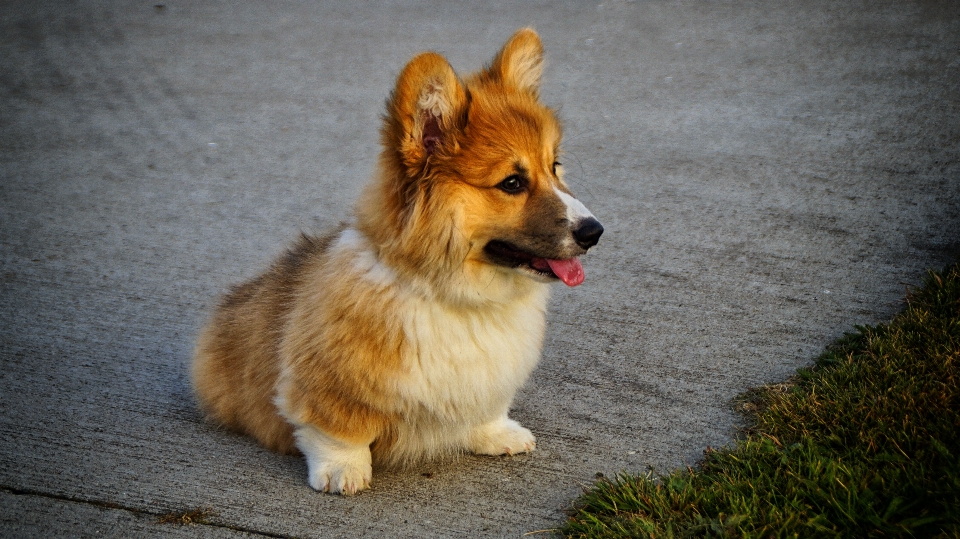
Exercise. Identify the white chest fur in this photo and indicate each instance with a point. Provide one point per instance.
(465, 365)
(461, 365)
(462, 370)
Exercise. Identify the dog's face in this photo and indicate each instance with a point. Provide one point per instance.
(518, 213)
(474, 173)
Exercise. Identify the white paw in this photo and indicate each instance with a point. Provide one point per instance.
(333, 465)
(340, 477)
(502, 436)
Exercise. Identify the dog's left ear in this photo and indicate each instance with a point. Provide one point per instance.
(520, 63)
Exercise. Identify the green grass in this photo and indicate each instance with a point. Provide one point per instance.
(864, 444)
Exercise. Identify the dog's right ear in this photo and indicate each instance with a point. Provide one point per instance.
(424, 111)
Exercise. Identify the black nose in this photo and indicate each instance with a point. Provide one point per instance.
(588, 233)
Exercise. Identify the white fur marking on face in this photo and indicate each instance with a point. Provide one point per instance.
(576, 211)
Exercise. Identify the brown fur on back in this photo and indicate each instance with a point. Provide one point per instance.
(236, 361)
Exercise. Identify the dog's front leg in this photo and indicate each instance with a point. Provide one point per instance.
(502, 436)
(334, 465)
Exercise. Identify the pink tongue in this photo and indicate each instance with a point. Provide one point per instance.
(570, 271)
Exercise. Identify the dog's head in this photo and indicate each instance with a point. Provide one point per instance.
(471, 186)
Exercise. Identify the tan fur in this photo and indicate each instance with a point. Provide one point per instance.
(235, 366)
(338, 337)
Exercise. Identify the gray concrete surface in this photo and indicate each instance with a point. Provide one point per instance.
(769, 175)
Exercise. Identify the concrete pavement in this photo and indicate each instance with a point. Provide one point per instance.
(769, 174)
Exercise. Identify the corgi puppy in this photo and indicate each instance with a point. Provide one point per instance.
(405, 334)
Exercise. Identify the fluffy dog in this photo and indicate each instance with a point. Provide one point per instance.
(405, 334)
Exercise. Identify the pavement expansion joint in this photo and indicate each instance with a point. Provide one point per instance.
(110, 505)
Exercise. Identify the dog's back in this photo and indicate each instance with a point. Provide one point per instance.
(236, 361)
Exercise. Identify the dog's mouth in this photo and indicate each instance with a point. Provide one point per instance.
(567, 270)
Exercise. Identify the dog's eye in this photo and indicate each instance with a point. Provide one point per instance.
(555, 165)
(513, 184)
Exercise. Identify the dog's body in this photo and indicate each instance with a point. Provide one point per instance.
(406, 335)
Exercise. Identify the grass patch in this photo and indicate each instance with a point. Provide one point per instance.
(866, 443)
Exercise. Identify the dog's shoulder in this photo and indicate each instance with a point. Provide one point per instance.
(277, 283)
(307, 249)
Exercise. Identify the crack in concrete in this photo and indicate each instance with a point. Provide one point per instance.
(134, 510)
